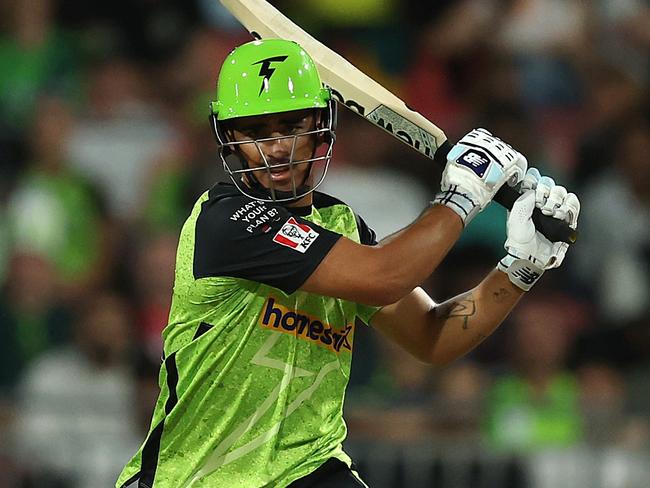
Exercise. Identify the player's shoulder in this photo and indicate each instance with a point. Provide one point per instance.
(226, 212)
(223, 196)
(225, 202)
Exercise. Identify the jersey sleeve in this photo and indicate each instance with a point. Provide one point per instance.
(258, 241)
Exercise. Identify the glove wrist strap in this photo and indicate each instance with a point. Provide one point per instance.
(521, 272)
(464, 204)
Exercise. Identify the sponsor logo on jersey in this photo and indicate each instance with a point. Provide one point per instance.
(474, 160)
(254, 215)
(276, 316)
(295, 235)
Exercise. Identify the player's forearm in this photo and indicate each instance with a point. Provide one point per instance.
(408, 257)
(461, 323)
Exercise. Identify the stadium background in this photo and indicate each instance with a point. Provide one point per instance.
(105, 144)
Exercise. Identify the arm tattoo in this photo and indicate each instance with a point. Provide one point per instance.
(501, 295)
(464, 307)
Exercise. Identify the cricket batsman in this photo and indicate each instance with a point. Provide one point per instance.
(271, 275)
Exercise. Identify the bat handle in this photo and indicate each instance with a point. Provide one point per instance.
(554, 230)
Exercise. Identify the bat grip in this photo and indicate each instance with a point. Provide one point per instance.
(554, 230)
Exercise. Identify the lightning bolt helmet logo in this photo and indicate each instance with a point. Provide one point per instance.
(267, 71)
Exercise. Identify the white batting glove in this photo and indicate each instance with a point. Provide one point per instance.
(529, 252)
(477, 166)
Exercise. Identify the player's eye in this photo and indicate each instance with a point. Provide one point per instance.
(300, 124)
(246, 134)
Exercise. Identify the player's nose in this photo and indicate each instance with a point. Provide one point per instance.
(279, 147)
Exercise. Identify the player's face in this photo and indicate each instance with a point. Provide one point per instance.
(284, 144)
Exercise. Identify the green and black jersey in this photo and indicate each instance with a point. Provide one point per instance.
(254, 373)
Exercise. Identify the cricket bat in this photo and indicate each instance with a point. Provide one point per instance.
(360, 93)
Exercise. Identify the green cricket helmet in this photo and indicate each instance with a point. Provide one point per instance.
(267, 77)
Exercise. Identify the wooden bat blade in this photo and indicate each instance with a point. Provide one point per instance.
(349, 84)
(359, 92)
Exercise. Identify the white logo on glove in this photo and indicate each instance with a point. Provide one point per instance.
(473, 158)
(477, 167)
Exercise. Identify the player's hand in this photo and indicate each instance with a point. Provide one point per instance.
(529, 252)
(477, 166)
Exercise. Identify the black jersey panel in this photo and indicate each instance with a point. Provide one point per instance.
(243, 238)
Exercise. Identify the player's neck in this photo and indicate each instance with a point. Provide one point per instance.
(305, 201)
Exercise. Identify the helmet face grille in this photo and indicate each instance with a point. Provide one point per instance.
(246, 178)
(241, 174)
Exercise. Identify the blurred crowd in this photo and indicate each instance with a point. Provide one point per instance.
(105, 145)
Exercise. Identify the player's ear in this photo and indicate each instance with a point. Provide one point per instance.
(321, 122)
(318, 124)
(223, 132)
